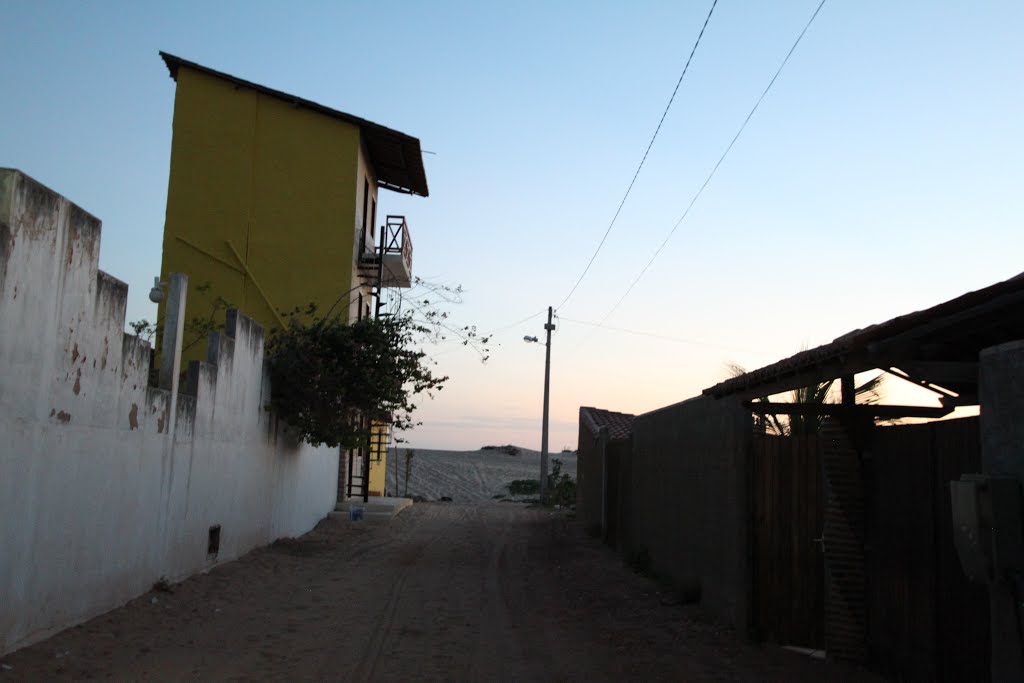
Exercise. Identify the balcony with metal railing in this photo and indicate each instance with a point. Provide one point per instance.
(391, 262)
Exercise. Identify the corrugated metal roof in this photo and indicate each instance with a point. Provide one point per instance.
(963, 325)
(396, 157)
(620, 425)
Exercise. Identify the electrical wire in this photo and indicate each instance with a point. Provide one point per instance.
(518, 322)
(644, 159)
(715, 169)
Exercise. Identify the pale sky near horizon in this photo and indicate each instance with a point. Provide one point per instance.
(882, 173)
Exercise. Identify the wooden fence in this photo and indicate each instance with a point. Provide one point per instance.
(924, 620)
(788, 569)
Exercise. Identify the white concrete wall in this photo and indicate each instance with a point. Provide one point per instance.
(97, 501)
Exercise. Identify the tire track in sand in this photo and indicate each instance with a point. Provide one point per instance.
(405, 560)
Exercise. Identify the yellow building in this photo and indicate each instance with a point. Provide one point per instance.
(272, 205)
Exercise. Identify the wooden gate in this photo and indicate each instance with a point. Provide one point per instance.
(788, 573)
(925, 621)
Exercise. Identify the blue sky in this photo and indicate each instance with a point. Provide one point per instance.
(882, 173)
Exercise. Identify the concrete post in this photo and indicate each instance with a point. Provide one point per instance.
(170, 371)
(547, 395)
(1001, 394)
(843, 543)
(174, 330)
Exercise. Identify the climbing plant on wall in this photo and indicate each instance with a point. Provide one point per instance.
(329, 377)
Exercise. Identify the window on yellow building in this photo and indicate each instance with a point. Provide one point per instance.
(373, 221)
(366, 213)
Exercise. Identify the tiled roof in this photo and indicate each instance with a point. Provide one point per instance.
(620, 425)
(396, 157)
(958, 329)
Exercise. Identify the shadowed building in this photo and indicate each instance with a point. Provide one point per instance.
(272, 206)
(602, 482)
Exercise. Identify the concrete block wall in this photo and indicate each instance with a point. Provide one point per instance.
(602, 482)
(687, 508)
(588, 476)
(98, 499)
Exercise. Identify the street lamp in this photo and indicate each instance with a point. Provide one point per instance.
(547, 392)
(156, 295)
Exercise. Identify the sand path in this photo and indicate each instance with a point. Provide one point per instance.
(491, 592)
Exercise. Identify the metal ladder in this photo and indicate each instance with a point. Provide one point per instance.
(355, 482)
(358, 482)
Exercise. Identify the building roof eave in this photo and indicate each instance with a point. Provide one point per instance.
(396, 157)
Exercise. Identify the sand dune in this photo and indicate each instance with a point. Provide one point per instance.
(467, 476)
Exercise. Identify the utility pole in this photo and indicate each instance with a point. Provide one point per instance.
(544, 430)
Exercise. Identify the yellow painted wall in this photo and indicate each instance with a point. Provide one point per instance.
(264, 201)
(363, 235)
(378, 459)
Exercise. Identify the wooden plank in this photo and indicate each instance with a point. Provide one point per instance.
(788, 569)
(900, 546)
(925, 621)
(962, 629)
(839, 410)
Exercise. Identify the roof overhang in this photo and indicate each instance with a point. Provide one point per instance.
(936, 348)
(396, 157)
(618, 426)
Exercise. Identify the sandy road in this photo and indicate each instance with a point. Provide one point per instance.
(493, 592)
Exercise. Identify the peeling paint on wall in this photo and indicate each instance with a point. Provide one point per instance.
(6, 248)
(173, 474)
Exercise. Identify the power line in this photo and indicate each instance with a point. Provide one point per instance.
(644, 159)
(518, 322)
(720, 160)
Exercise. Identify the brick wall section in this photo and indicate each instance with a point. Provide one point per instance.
(846, 620)
(689, 500)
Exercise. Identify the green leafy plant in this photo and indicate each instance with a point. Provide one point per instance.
(331, 379)
(561, 487)
(524, 487)
(507, 449)
(868, 392)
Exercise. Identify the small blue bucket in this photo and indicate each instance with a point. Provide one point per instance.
(355, 513)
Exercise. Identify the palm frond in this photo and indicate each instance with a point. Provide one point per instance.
(870, 392)
(735, 369)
